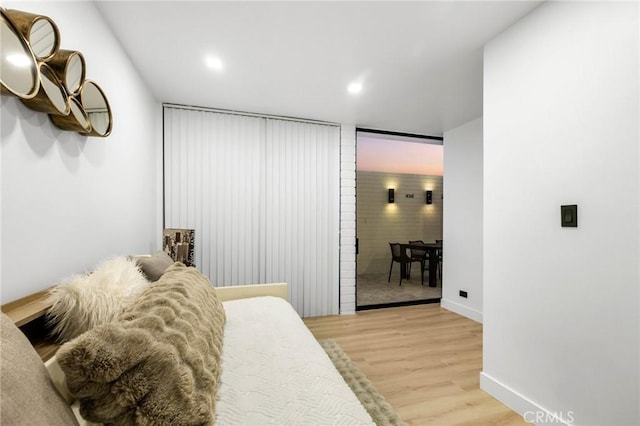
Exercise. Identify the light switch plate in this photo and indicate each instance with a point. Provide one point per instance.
(569, 216)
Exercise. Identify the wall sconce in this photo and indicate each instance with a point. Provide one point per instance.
(429, 197)
(391, 195)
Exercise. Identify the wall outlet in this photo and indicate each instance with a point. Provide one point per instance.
(463, 294)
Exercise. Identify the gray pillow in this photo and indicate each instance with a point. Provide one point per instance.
(28, 396)
(154, 266)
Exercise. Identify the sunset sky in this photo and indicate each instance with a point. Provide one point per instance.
(394, 156)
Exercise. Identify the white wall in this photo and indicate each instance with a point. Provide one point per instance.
(380, 223)
(462, 251)
(561, 323)
(68, 201)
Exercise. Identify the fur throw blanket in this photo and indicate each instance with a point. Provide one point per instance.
(89, 300)
(159, 363)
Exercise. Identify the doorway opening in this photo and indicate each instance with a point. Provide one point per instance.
(399, 199)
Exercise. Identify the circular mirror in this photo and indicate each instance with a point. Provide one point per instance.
(74, 72)
(80, 115)
(43, 38)
(77, 121)
(40, 32)
(97, 107)
(69, 67)
(54, 90)
(18, 67)
(51, 98)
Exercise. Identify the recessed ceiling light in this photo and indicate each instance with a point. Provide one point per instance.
(354, 88)
(214, 63)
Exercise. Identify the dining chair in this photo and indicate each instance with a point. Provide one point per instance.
(421, 256)
(400, 256)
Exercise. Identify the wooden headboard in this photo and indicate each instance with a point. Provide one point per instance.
(28, 313)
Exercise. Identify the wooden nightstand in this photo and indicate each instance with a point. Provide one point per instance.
(28, 313)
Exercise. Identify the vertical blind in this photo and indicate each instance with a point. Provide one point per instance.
(263, 195)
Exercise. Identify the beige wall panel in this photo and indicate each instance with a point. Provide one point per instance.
(379, 223)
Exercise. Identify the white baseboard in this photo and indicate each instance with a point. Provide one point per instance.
(529, 410)
(462, 310)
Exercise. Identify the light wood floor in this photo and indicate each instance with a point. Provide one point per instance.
(423, 359)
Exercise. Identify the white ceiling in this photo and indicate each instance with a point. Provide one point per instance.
(420, 62)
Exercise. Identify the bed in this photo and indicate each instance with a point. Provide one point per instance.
(262, 367)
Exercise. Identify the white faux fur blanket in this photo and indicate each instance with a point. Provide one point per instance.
(88, 300)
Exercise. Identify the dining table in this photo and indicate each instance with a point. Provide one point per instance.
(433, 252)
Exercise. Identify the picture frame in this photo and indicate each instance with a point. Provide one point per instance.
(179, 244)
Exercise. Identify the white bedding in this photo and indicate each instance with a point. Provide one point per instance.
(274, 371)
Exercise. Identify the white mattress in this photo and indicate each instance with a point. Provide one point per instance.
(274, 371)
